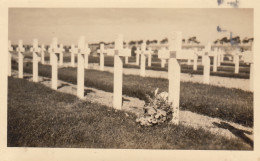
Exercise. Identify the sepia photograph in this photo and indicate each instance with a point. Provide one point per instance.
(125, 78)
(124, 82)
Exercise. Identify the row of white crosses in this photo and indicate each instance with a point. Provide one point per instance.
(82, 51)
(35, 50)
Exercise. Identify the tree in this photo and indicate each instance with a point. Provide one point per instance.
(216, 41)
(193, 39)
(164, 41)
(140, 42)
(132, 43)
(224, 40)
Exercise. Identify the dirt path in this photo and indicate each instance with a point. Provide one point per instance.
(134, 105)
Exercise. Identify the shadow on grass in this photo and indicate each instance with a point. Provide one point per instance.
(87, 91)
(237, 132)
(63, 85)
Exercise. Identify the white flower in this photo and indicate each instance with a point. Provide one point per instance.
(164, 96)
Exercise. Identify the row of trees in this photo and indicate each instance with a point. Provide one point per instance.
(234, 40)
(192, 39)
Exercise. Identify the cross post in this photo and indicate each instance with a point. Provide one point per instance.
(35, 50)
(137, 56)
(54, 51)
(20, 51)
(10, 48)
(118, 70)
(101, 51)
(72, 51)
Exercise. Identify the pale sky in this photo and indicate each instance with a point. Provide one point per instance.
(103, 24)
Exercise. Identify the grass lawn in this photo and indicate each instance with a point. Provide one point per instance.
(41, 117)
(229, 104)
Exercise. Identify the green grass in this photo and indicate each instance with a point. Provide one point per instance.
(228, 104)
(41, 117)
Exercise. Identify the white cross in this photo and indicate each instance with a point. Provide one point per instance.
(101, 51)
(82, 51)
(119, 50)
(118, 70)
(20, 51)
(150, 52)
(42, 50)
(10, 48)
(87, 53)
(144, 52)
(138, 52)
(54, 50)
(35, 50)
(173, 53)
(73, 51)
(61, 54)
(20, 48)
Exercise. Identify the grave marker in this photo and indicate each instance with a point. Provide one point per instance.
(35, 50)
(10, 48)
(219, 57)
(54, 51)
(206, 64)
(61, 54)
(143, 59)
(215, 59)
(72, 51)
(195, 60)
(86, 54)
(235, 54)
(163, 61)
(118, 70)
(101, 51)
(20, 51)
(82, 50)
(173, 53)
(138, 52)
(42, 49)
(149, 57)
